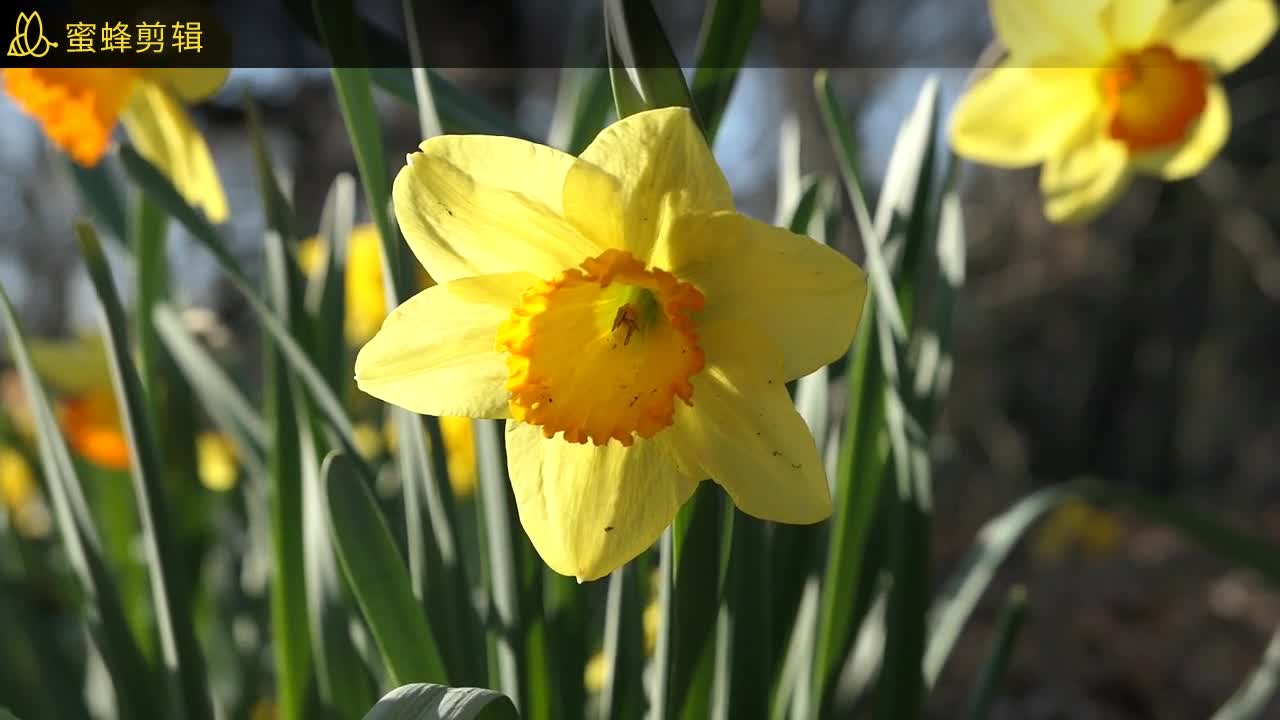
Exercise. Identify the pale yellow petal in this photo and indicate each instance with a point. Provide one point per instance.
(744, 432)
(1204, 141)
(190, 83)
(803, 296)
(1132, 23)
(436, 355)
(664, 165)
(477, 205)
(589, 509)
(72, 366)
(1038, 31)
(1226, 33)
(163, 134)
(1082, 181)
(1017, 116)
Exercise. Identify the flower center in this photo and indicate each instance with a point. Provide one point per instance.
(77, 107)
(602, 350)
(1153, 97)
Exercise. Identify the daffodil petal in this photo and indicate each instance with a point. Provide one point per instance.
(163, 133)
(478, 205)
(1227, 33)
(190, 84)
(1131, 23)
(662, 160)
(1018, 116)
(744, 431)
(1204, 141)
(435, 354)
(1081, 181)
(1038, 30)
(803, 296)
(589, 509)
(594, 204)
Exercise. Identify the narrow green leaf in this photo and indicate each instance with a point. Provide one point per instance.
(102, 196)
(744, 661)
(689, 597)
(344, 684)
(497, 515)
(181, 654)
(437, 702)
(428, 120)
(727, 28)
(1252, 698)
(622, 697)
(959, 597)
(791, 691)
(276, 206)
(291, 641)
(106, 622)
(997, 662)
(326, 289)
(377, 576)
(643, 68)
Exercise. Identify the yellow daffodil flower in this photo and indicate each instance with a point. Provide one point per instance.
(78, 371)
(216, 461)
(20, 495)
(366, 298)
(635, 331)
(1077, 525)
(459, 452)
(78, 109)
(1099, 91)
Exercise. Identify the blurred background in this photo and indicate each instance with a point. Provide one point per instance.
(1142, 349)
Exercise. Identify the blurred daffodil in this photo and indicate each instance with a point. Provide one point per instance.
(216, 461)
(368, 441)
(1077, 526)
(78, 372)
(78, 108)
(366, 298)
(1099, 91)
(459, 451)
(20, 495)
(634, 329)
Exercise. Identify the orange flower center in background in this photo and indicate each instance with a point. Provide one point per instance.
(1153, 97)
(91, 422)
(602, 351)
(77, 107)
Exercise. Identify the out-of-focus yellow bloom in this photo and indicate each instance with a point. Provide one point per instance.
(78, 108)
(633, 328)
(368, 441)
(17, 482)
(20, 496)
(216, 461)
(459, 451)
(460, 454)
(365, 295)
(77, 370)
(1101, 90)
(1077, 525)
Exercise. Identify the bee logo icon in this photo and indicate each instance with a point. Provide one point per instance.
(28, 37)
